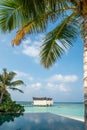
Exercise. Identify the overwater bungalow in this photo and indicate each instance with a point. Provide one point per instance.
(43, 101)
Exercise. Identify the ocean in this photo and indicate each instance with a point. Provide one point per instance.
(70, 109)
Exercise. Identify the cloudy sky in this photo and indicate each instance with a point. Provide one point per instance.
(63, 81)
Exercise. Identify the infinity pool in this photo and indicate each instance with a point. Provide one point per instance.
(39, 121)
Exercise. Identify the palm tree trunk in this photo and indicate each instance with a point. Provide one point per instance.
(85, 69)
(1, 97)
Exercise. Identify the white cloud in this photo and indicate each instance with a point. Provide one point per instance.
(40, 37)
(31, 47)
(36, 85)
(23, 75)
(20, 74)
(50, 86)
(37, 43)
(63, 88)
(57, 87)
(54, 86)
(62, 78)
(26, 41)
(70, 78)
(31, 51)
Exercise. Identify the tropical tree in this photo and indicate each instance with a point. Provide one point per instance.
(9, 106)
(33, 16)
(6, 82)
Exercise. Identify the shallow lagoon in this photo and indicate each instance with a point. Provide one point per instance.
(66, 109)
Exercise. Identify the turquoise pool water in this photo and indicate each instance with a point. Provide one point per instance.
(67, 109)
(38, 121)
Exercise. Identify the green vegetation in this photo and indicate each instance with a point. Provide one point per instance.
(9, 106)
(6, 103)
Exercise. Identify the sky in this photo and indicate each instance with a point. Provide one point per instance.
(63, 81)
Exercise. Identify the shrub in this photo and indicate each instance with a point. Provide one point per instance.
(9, 106)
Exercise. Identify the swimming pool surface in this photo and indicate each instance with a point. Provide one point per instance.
(39, 121)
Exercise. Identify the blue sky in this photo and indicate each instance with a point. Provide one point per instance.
(63, 81)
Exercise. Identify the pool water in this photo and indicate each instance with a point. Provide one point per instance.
(39, 121)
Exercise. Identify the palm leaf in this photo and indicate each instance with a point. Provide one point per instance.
(39, 24)
(7, 76)
(1, 78)
(16, 83)
(29, 15)
(33, 26)
(11, 76)
(11, 15)
(65, 33)
(12, 85)
(16, 89)
(35, 7)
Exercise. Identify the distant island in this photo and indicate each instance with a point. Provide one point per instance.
(42, 101)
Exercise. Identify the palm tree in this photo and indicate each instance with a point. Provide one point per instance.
(6, 82)
(33, 16)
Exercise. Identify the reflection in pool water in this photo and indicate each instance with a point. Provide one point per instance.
(39, 121)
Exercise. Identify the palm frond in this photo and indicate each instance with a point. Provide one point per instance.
(16, 89)
(11, 15)
(58, 4)
(33, 7)
(11, 76)
(37, 7)
(65, 33)
(1, 78)
(74, 2)
(11, 85)
(33, 26)
(16, 83)
(7, 76)
(39, 24)
(29, 15)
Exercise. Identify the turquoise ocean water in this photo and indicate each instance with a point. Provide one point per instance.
(65, 109)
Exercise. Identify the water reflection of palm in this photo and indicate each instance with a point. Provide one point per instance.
(8, 117)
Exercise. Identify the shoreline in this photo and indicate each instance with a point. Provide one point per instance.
(71, 117)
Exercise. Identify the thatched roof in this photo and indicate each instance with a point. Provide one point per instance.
(41, 98)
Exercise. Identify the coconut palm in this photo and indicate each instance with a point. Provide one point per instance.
(33, 16)
(6, 82)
